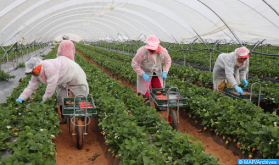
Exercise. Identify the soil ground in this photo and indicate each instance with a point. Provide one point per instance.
(225, 156)
(68, 154)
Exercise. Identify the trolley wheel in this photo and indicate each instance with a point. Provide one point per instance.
(79, 134)
(173, 119)
(83, 119)
(69, 124)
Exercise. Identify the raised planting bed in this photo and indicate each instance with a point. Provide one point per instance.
(241, 120)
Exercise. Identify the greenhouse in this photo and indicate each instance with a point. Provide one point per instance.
(147, 82)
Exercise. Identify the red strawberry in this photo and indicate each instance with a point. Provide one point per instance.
(105, 143)
(113, 155)
(184, 111)
(128, 113)
(266, 103)
(12, 131)
(237, 144)
(209, 86)
(204, 129)
(101, 133)
(155, 156)
(253, 150)
(55, 138)
(153, 135)
(250, 156)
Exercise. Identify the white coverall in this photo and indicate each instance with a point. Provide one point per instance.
(226, 68)
(57, 74)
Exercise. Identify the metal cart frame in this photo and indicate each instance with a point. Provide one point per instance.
(168, 99)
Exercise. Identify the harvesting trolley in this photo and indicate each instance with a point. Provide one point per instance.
(248, 94)
(166, 98)
(78, 110)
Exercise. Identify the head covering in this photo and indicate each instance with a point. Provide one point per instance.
(152, 42)
(243, 52)
(65, 37)
(37, 70)
(31, 64)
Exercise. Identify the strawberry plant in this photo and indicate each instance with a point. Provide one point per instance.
(34, 124)
(239, 119)
(204, 78)
(5, 76)
(127, 134)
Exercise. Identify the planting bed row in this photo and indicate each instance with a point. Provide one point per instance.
(237, 120)
(27, 129)
(197, 54)
(128, 125)
(204, 78)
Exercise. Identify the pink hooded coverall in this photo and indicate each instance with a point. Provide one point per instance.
(67, 49)
(145, 62)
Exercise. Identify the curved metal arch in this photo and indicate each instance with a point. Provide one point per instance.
(87, 32)
(259, 13)
(203, 16)
(87, 28)
(52, 26)
(153, 20)
(80, 29)
(79, 32)
(166, 15)
(13, 5)
(106, 16)
(69, 30)
(22, 14)
(59, 8)
(86, 13)
(271, 7)
(41, 23)
(134, 21)
(103, 20)
(71, 22)
(223, 22)
(39, 26)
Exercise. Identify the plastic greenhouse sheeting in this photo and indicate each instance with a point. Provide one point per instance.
(170, 20)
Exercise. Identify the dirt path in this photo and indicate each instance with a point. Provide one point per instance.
(68, 154)
(225, 156)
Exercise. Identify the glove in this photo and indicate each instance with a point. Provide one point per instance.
(19, 100)
(145, 77)
(238, 89)
(164, 75)
(244, 81)
(42, 101)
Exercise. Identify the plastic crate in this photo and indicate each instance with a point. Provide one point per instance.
(173, 97)
(68, 110)
(231, 92)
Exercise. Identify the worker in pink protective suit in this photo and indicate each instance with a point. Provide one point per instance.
(66, 48)
(57, 74)
(147, 62)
